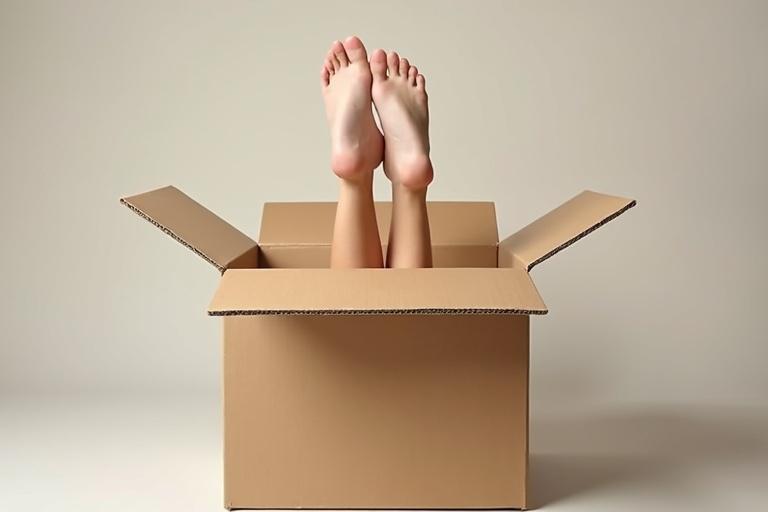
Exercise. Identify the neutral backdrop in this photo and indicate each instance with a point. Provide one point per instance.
(649, 375)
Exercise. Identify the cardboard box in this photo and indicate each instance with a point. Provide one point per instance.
(375, 388)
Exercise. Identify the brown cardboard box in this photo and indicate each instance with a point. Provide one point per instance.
(375, 388)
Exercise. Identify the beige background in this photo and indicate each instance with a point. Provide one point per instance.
(649, 376)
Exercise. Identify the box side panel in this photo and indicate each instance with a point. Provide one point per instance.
(290, 223)
(308, 256)
(249, 259)
(476, 256)
(319, 256)
(506, 259)
(376, 412)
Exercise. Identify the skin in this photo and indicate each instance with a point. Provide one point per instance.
(350, 85)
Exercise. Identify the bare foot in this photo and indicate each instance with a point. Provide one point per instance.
(401, 101)
(356, 142)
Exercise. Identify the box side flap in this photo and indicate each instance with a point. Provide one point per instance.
(563, 226)
(451, 223)
(376, 291)
(195, 227)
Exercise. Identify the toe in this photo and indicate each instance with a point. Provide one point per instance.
(325, 76)
(329, 65)
(412, 72)
(393, 63)
(355, 49)
(379, 65)
(421, 83)
(335, 64)
(338, 51)
(403, 69)
(404, 63)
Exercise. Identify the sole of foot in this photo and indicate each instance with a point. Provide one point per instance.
(400, 96)
(357, 146)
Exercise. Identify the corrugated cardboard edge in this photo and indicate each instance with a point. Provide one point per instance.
(582, 234)
(408, 311)
(173, 235)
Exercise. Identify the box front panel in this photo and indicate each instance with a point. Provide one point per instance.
(376, 411)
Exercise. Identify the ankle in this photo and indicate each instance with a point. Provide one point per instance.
(408, 195)
(359, 184)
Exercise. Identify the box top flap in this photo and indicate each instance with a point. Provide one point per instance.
(451, 223)
(563, 226)
(376, 291)
(193, 225)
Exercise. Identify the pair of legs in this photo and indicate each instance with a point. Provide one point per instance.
(352, 86)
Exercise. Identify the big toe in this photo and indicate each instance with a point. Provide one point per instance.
(379, 65)
(355, 49)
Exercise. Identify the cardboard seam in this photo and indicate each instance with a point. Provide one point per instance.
(399, 311)
(581, 235)
(173, 235)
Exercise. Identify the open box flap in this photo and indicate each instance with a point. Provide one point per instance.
(563, 226)
(196, 227)
(376, 291)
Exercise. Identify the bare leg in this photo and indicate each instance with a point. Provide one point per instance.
(409, 241)
(401, 102)
(356, 150)
(356, 242)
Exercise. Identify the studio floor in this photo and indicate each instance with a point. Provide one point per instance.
(164, 453)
